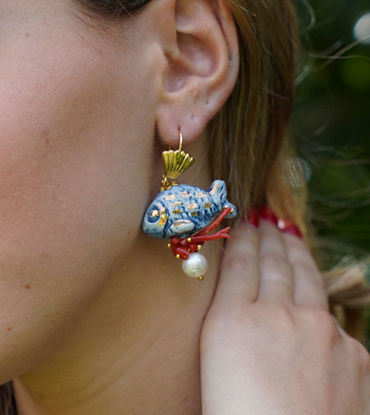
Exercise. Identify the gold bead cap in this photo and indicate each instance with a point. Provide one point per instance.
(175, 163)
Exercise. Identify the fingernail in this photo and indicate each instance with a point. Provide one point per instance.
(267, 213)
(287, 226)
(252, 218)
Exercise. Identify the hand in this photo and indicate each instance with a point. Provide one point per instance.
(268, 342)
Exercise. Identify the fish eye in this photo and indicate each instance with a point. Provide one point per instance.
(153, 215)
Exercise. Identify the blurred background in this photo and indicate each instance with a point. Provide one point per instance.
(331, 124)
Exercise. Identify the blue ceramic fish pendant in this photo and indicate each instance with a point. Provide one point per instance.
(187, 214)
(185, 210)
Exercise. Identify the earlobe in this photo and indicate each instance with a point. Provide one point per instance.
(202, 63)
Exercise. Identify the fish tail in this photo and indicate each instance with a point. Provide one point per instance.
(218, 188)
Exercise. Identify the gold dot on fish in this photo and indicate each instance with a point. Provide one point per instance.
(163, 219)
(170, 197)
(176, 211)
(201, 278)
(178, 256)
(194, 213)
(192, 206)
(207, 205)
(199, 247)
(189, 239)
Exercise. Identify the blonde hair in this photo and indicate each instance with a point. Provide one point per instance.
(249, 144)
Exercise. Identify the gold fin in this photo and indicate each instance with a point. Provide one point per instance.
(176, 162)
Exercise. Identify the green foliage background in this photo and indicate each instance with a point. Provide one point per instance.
(331, 125)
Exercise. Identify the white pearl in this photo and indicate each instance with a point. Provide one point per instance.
(195, 266)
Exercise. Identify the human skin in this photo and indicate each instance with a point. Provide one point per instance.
(268, 344)
(95, 316)
(93, 312)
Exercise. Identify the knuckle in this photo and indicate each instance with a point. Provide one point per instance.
(238, 262)
(306, 266)
(361, 354)
(309, 268)
(281, 284)
(364, 357)
(323, 322)
(284, 315)
(275, 263)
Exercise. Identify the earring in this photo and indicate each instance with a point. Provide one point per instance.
(187, 214)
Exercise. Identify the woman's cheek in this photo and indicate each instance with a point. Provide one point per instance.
(62, 197)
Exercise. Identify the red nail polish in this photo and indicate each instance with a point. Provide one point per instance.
(252, 217)
(266, 213)
(286, 226)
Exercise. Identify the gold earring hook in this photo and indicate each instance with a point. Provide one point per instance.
(175, 163)
(181, 139)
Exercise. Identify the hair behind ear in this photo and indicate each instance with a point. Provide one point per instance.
(249, 146)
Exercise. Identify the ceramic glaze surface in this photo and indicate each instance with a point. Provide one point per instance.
(184, 210)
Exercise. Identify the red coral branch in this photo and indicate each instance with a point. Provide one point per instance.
(216, 222)
(181, 248)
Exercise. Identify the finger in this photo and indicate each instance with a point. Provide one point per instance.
(308, 284)
(277, 282)
(239, 273)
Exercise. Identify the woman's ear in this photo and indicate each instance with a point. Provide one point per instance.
(200, 50)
